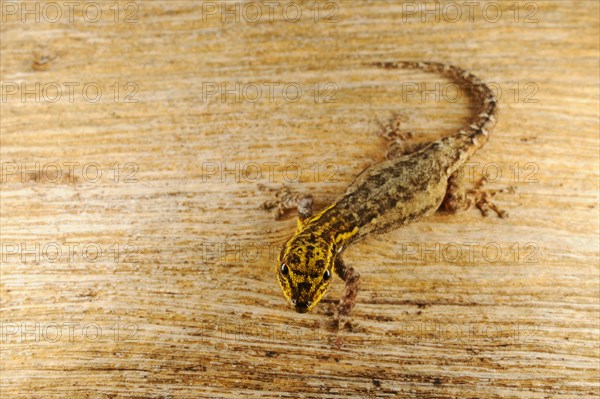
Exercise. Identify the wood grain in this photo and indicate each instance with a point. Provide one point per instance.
(183, 303)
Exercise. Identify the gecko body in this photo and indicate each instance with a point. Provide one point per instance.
(400, 190)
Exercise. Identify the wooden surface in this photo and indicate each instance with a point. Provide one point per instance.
(189, 305)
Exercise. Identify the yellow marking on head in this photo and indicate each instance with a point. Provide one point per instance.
(299, 225)
(318, 216)
(345, 236)
(309, 257)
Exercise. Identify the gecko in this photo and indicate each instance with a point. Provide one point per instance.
(413, 182)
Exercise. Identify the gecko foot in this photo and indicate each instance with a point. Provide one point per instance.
(483, 199)
(343, 320)
(286, 199)
(348, 301)
(400, 142)
(391, 130)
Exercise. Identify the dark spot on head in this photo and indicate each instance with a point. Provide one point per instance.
(305, 287)
(320, 264)
(310, 247)
(294, 259)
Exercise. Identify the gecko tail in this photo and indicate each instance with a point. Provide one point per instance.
(478, 131)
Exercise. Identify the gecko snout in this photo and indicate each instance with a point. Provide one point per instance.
(302, 300)
(302, 307)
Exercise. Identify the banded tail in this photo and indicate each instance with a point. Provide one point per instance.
(476, 134)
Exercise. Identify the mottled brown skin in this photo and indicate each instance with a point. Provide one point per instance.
(401, 190)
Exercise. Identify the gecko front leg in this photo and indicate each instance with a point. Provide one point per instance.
(352, 280)
(285, 200)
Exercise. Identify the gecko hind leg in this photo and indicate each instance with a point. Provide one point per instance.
(286, 199)
(458, 198)
(400, 142)
(347, 302)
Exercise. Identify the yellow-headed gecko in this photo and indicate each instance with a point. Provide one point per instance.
(411, 184)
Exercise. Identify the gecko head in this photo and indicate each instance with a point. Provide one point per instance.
(304, 270)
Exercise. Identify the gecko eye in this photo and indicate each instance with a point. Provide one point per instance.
(284, 269)
(327, 275)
